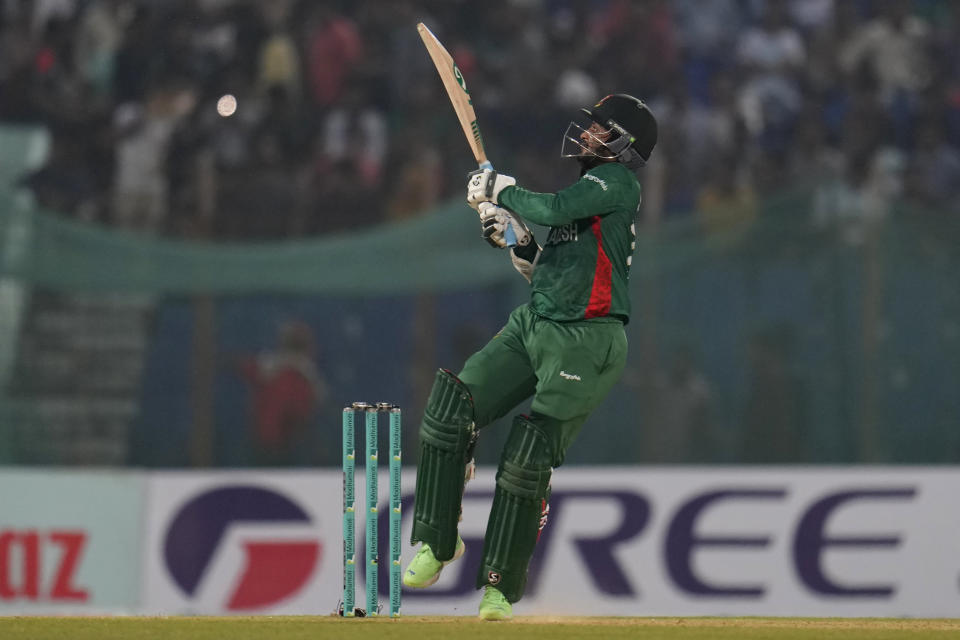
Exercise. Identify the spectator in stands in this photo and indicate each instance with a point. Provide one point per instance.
(417, 185)
(894, 48)
(727, 200)
(811, 16)
(771, 56)
(65, 184)
(933, 171)
(707, 34)
(99, 33)
(56, 94)
(726, 131)
(143, 131)
(137, 57)
(674, 174)
(279, 60)
(946, 55)
(695, 123)
(287, 390)
(355, 132)
(333, 48)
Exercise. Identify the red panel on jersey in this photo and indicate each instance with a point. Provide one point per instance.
(602, 292)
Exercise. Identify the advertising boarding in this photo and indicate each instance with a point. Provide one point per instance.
(815, 541)
(246, 543)
(70, 543)
(668, 541)
(778, 541)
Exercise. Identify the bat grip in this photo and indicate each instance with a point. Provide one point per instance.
(508, 235)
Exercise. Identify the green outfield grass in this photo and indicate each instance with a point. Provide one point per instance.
(468, 628)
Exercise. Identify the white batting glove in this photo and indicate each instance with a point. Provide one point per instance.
(525, 259)
(496, 221)
(484, 185)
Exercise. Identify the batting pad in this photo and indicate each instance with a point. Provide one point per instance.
(445, 438)
(523, 486)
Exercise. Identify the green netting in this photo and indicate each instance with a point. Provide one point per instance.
(46, 250)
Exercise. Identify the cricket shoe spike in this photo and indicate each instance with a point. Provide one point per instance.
(494, 605)
(424, 570)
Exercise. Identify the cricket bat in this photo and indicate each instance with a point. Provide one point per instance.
(456, 88)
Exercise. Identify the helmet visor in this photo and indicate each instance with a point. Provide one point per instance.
(580, 142)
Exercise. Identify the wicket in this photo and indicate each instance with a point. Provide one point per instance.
(371, 413)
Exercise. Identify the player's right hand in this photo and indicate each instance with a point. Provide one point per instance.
(495, 222)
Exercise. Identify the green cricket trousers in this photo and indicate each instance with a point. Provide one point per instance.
(568, 368)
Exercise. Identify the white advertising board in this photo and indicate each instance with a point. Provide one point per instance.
(70, 543)
(242, 542)
(818, 541)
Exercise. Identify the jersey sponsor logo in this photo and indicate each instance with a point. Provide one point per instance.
(564, 233)
(570, 376)
(599, 181)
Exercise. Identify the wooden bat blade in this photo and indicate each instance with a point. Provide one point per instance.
(459, 96)
(456, 88)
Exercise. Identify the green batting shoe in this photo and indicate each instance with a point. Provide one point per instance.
(494, 605)
(424, 569)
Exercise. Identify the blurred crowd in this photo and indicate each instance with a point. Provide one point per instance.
(340, 120)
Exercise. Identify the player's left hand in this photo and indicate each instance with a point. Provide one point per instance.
(495, 221)
(485, 185)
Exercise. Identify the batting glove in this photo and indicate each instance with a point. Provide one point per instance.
(485, 185)
(496, 222)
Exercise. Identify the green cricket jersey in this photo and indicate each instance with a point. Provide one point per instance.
(583, 270)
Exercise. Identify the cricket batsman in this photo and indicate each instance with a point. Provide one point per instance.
(566, 348)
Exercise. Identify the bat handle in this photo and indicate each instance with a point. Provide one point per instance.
(510, 237)
(508, 234)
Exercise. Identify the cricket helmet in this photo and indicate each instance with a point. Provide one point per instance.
(630, 119)
(629, 133)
